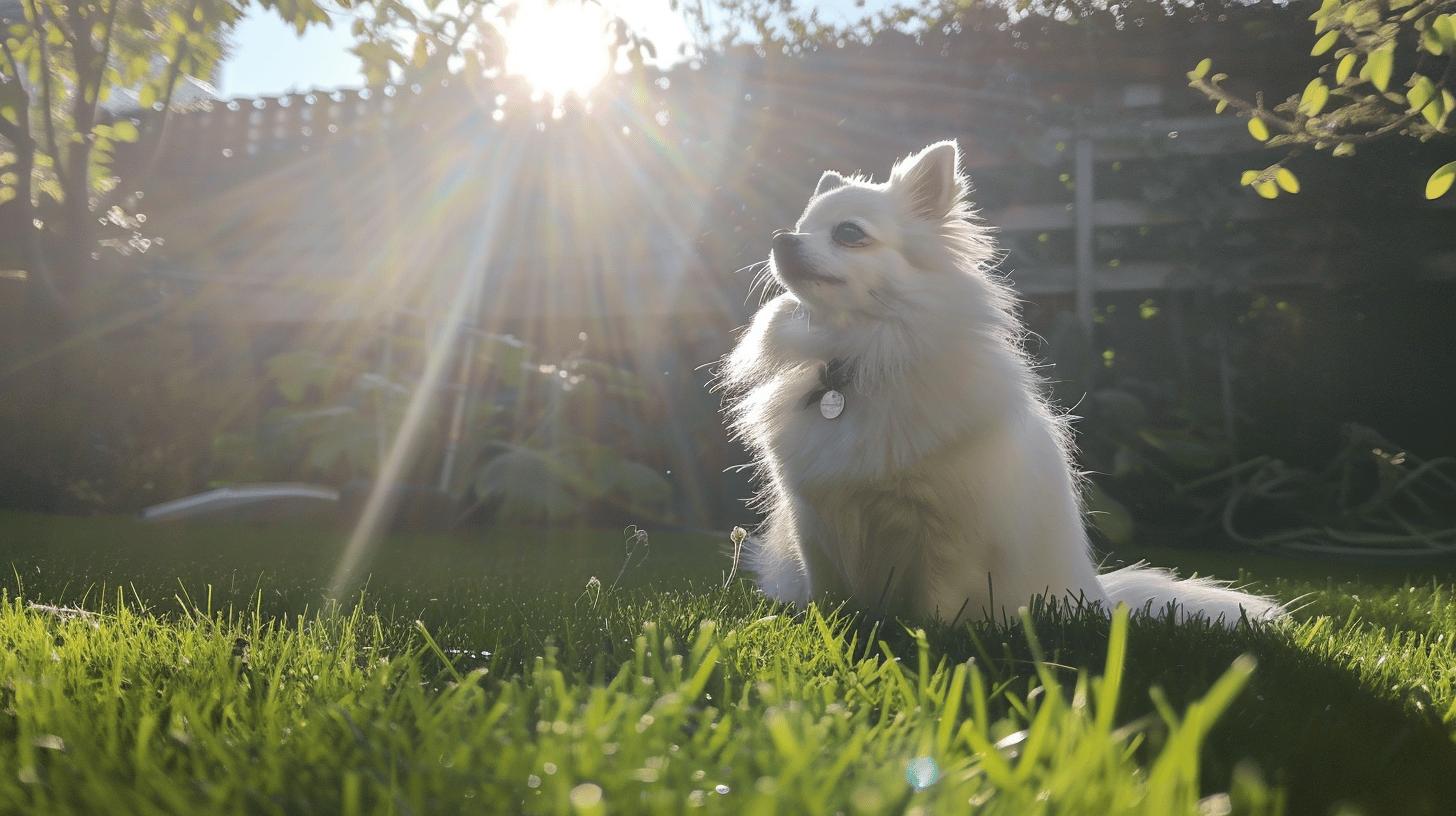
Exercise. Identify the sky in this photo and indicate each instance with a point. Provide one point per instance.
(268, 58)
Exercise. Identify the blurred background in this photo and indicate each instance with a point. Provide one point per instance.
(447, 266)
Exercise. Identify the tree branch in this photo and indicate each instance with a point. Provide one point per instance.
(18, 133)
(91, 80)
(46, 102)
(174, 70)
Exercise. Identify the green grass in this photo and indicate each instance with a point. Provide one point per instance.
(207, 673)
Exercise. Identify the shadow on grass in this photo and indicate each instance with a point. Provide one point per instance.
(1308, 722)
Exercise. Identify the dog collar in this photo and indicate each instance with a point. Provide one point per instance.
(834, 378)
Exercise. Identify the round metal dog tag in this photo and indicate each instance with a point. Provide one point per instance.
(831, 405)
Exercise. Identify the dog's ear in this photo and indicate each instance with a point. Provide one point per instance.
(829, 181)
(930, 181)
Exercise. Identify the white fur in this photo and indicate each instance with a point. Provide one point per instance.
(946, 489)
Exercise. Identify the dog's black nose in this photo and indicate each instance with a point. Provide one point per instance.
(786, 242)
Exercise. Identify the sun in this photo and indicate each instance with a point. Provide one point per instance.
(559, 46)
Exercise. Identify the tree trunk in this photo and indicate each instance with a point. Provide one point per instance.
(73, 254)
(44, 311)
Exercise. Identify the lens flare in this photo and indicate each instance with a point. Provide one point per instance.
(560, 47)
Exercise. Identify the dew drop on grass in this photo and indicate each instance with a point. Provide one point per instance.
(586, 795)
(722, 790)
(922, 772)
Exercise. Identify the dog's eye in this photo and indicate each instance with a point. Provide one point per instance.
(849, 234)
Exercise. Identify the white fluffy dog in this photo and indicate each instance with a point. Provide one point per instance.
(910, 463)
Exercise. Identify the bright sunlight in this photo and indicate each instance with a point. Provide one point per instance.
(560, 47)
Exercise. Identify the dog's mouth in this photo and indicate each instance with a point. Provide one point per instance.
(791, 268)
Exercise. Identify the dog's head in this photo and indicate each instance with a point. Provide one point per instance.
(863, 249)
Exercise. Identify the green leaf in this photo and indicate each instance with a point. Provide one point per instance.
(1380, 64)
(148, 96)
(1286, 180)
(1445, 27)
(1326, 6)
(1342, 71)
(1440, 181)
(1422, 91)
(528, 483)
(1313, 100)
(1249, 177)
(123, 130)
(1220, 107)
(1185, 450)
(1201, 69)
(295, 372)
(1434, 112)
(1258, 129)
(1324, 43)
(1343, 149)
(1431, 41)
(1267, 189)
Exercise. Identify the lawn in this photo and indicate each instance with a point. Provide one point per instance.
(202, 670)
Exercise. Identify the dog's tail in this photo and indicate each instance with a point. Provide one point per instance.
(1153, 590)
(775, 567)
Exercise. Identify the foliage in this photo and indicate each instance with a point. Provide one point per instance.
(544, 440)
(114, 427)
(1372, 499)
(1132, 446)
(61, 65)
(1366, 45)
(1238, 436)
(403, 42)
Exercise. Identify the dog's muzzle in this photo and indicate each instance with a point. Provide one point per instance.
(789, 261)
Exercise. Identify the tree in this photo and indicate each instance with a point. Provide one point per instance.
(60, 63)
(1367, 44)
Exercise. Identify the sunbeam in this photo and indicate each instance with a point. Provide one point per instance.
(383, 496)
